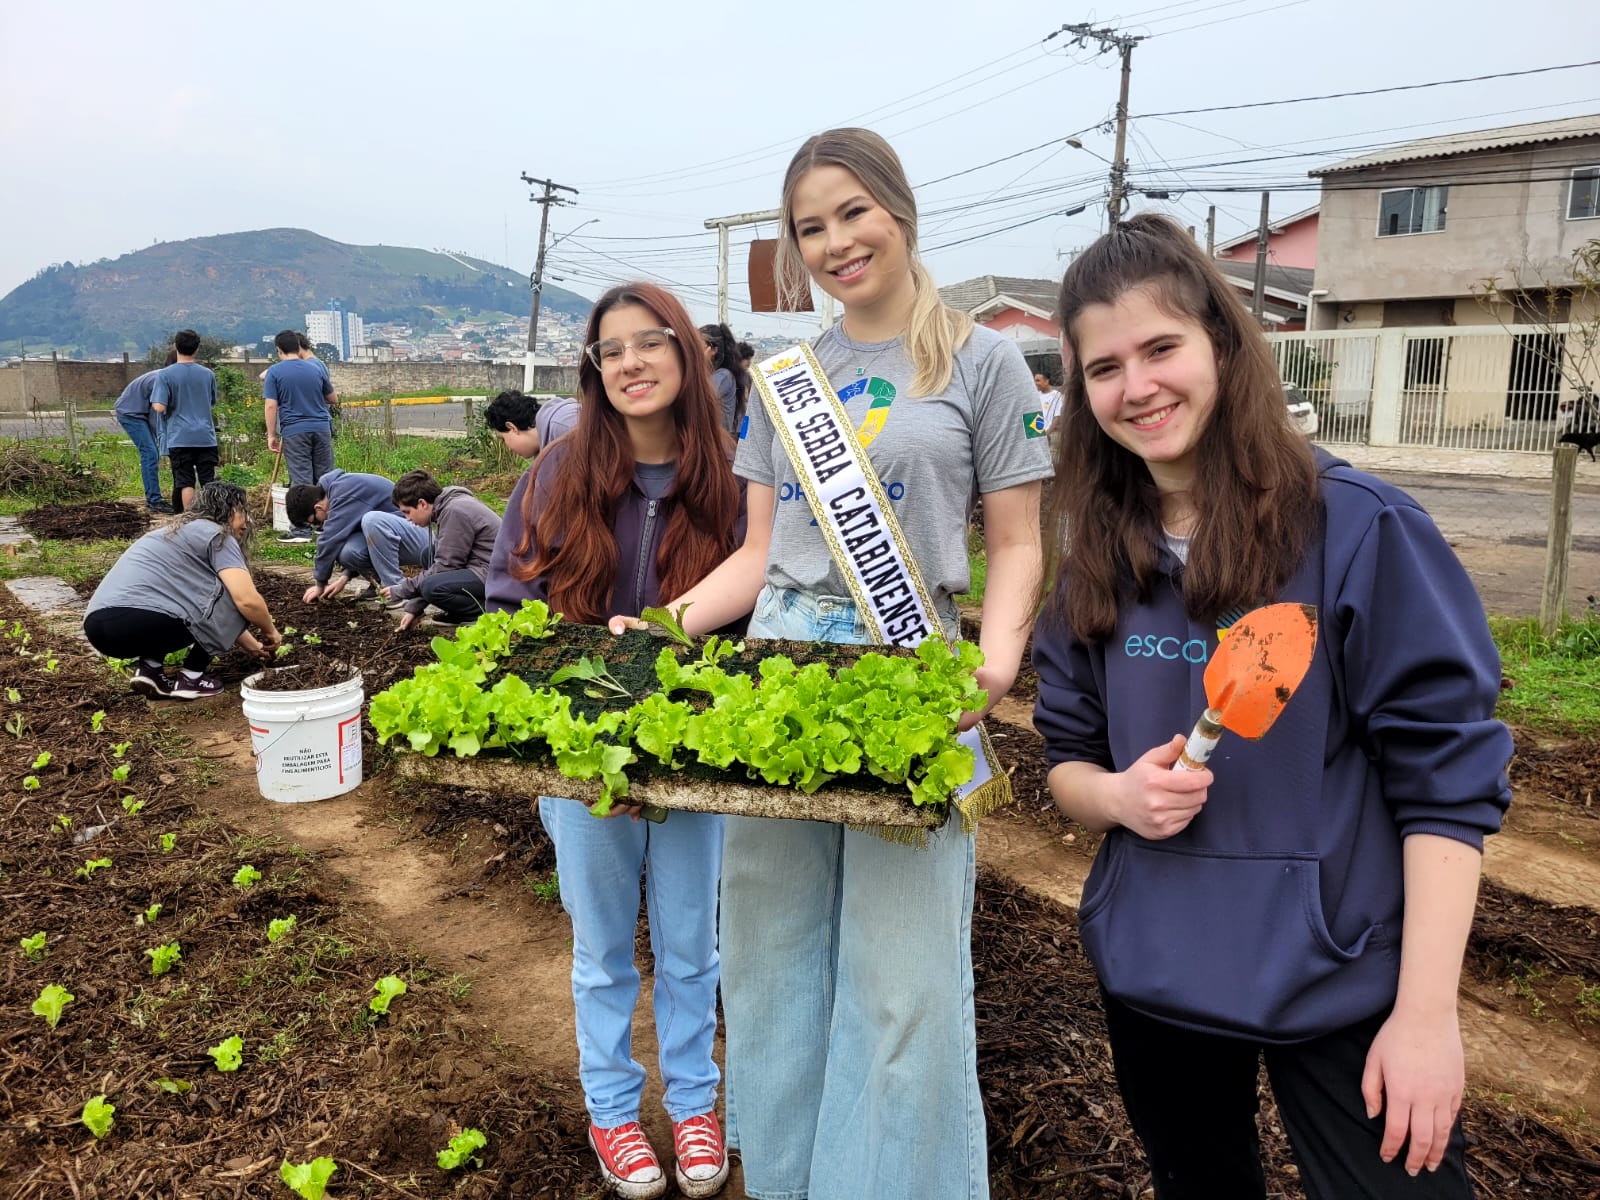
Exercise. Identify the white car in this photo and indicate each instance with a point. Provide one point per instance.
(1302, 413)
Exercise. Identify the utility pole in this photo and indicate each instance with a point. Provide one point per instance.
(1211, 231)
(1123, 44)
(536, 280)
(1258, 302)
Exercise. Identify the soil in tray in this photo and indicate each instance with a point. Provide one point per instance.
(306, 672)
(631, 659)
(94, 521)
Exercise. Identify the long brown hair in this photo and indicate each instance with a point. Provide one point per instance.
(572, 542)
(1255, 487)
(935, 331)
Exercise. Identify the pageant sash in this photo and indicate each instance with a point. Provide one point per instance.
(863, 534)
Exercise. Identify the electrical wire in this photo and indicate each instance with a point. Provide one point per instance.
(1402, 87)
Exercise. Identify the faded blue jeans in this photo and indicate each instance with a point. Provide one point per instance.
(847, 990)
(386, 542)
(598, 863)
(144, 439)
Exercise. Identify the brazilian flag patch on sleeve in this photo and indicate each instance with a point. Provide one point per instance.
(1033, 424)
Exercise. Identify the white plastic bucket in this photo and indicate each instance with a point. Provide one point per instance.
(280, 508)
(307, 744)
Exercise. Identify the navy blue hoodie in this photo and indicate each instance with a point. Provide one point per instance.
(1277, 913)
(351, 496)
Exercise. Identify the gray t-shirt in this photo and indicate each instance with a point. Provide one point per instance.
(933, 454)
(655, 478)
(178, 575)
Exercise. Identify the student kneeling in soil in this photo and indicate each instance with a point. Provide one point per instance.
(639, 502)
(1306, 900)
(361, 530)
(464, 531)
(186, 585)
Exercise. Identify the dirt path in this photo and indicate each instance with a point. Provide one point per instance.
(515, 949)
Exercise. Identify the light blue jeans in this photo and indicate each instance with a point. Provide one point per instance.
(847, 990)
(599, 862)
(144, 439)
(386, 541)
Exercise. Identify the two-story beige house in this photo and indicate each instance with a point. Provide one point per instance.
(1405, 234)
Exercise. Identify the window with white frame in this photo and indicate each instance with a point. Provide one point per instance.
(1584, 200)
(1412, 210)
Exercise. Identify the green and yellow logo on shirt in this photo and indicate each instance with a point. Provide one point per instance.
(883, 394)
(1033, 424)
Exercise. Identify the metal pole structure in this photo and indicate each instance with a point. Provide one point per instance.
(1123, 44)
(536, 281)
(1258, 301)
(722, 225)
(1211, 230)
(722, 274)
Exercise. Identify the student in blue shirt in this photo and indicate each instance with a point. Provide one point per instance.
(184, 395)
(144, 430)
(296, 393)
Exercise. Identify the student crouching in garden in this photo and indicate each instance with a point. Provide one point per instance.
(464, 529)
(187, 585)
(361, 530)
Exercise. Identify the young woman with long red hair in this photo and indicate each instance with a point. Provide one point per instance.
(636, 504)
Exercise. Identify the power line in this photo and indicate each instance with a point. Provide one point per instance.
(1236, 17)
(1403, 87)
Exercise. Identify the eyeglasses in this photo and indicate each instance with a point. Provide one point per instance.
(647, 346)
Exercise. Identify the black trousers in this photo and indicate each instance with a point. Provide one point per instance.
(140, 633)
(459, 593)
(1192, 1100)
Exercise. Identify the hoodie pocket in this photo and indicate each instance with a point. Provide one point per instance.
(1231, 942)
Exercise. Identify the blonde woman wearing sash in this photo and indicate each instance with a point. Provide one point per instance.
(847, 966)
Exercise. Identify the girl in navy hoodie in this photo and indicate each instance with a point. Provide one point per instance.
(637, 503)
(1307, 898)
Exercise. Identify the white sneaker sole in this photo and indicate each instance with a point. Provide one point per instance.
(697, 1189)
(630, 1191)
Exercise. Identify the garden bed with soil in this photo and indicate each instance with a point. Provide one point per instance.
(98, 520)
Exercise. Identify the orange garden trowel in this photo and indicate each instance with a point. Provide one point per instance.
(1258, 664)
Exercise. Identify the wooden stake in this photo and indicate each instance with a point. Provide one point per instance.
(1558, 542)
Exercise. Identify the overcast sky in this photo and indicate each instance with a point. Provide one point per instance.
(410, 123)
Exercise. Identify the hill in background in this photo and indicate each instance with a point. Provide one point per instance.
(243, 286)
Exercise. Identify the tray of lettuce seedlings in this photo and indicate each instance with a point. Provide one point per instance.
(524, 704)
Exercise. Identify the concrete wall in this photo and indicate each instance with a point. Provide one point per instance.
(35, 385)
(1493, 229)
(47, 385)
(364, 379)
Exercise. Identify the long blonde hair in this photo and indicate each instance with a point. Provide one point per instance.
(935, 331)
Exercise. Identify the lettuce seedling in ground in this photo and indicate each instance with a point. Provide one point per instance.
(90, 867)
(308, 1180)
(120, 774)
(149, 915)
(33, 947)
(132, 806)
(228, 1054)
(97, 722)
(280, 928)
(463, 1149)
(388, 988)
(162, 958)
(169, 842)
(97, 1115)
(30, 783)
(172, 1087)
(246, 876)
(52, 1000)
(120, 749)
(42, 761)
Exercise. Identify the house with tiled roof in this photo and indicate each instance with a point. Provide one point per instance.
(1407, 232)
(1022, 309)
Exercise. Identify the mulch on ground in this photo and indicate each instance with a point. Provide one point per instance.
(1563, 770)
(1056, 1122)
(321, 1074)
(97, 520)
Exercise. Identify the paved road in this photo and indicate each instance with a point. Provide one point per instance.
(1498, 527)
(420, 417)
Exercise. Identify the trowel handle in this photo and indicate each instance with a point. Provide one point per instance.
(1202, 741)
(653, 812)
